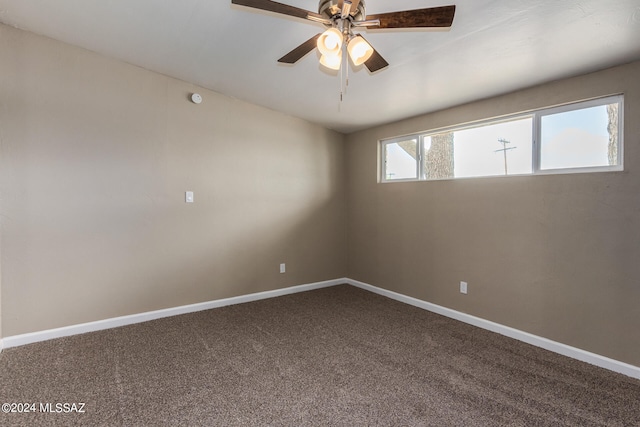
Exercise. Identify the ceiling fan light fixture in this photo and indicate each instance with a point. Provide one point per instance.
(332, 62)
(330, 42)
(341, 16)
(359, 50)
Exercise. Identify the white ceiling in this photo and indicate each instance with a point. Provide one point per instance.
(493, 47)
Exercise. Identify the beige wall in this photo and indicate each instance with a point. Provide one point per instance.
(557, 256)
(95, 158)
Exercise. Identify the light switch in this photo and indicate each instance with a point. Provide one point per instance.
(188, 197)
(463, 288)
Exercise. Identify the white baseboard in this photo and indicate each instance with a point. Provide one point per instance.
(566, 350)
(29, 338)
(547, 344)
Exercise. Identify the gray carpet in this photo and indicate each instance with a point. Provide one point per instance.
(335, 356)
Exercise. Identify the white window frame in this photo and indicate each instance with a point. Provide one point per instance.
(383, 161)
(596, 102)
(536, 117)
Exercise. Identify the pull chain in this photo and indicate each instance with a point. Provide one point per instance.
(345, 60)
(340, 88)
(341, 77)
(343, 73)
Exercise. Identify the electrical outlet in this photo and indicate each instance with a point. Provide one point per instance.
(283, 268)
(463, 288)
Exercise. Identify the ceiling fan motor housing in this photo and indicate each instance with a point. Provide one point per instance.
(332, 10)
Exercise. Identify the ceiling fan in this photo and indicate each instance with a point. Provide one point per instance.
(342, 17)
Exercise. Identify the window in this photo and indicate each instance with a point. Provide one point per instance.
(580, 137)
(584, 137)
(400, 159)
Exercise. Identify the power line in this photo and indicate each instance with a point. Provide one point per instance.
(504, 149)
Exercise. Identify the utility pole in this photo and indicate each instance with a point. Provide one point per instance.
(504, 150)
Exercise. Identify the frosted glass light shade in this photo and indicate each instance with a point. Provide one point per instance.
(331, 61)
(330, 42)
(359, 50)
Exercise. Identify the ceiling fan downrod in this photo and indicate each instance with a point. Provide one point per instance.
(333, 9)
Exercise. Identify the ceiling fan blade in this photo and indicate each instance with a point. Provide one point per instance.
(297, 53)
(376, 62)
(418, 18)
(272, 6)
